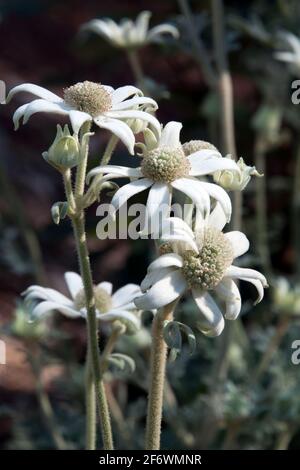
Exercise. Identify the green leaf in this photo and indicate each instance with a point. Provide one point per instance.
(59, 211)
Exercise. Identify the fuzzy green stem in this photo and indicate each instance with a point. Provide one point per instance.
(157, 379)
(112, 143)
(90, 403)
(117, 331)
(78, 222)
(81, 169)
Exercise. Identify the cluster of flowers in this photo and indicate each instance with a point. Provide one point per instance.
(195, 255)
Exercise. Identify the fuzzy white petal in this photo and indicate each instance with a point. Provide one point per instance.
(217, 218)
(124, 92)
(157, 31)
(170, 135)
(125, 295)
(35, 90)
(142, 24)
(152, 277)
(136, 101)
(249, 275)
(163, 292)
(48, 306)
(220, 195)
(228, 291)
(107, 286)
(206, 165)
(194, 190)
(45, 293)
(78, 118)
(129, 190)
(214, 321)
(113, 315)
(119, 128)
(122, 171)
(239, 242)
(136, 114)
(157, 208)
(43, 106)
(165, 261)
(74, 283)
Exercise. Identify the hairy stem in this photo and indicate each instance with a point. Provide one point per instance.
(112, 143)
(78, 222)
(90, 404)
(136, 68)
(157, 379)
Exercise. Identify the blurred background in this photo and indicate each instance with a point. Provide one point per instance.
(239, 391)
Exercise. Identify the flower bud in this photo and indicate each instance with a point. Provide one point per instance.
(233, 180)
(64, 153)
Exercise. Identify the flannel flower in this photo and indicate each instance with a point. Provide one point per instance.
(166, 167)
(130, 34)
(202, 262)
(86, 101)
(109, 306)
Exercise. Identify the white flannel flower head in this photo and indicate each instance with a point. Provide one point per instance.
(236, 181)
(165, 168)
(110, 307)
(292, 56)
(129, 34)
(86, 101)
(201, 262)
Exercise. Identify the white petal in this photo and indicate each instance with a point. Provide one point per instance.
(99, 27)
(163, 292)
(152, 277)
(165, 261)
(285, 56)
(136, 101)
(124, 92)
(43, 106)
(136, 114)
(46, 307)
(35, 90)
(214, 321)
(78, 118)
(122, 171)
(175, 224)
(107, 286)
(228, 291)
(187, 242)
(74, 283)
(170, 135)
(45, 293)
(158, 208)
(194, 190)
(120, 129)
(125, 295)
(239, 242)
(203, 164)
(142, 24)
(157, 31)
(129, 190)
(249, 275)
(113, 315)
(217, 218)
(220, 195)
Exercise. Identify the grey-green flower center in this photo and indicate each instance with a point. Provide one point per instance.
(90, 97)
(103, 300)
(165, 164)
(206, 269)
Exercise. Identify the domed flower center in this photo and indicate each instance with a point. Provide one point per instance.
(195, 145)
(90, 97)
(206, 269)
(165, 164)
(103, 300)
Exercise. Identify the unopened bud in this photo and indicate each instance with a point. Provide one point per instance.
(64, 153)
(233, 180)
